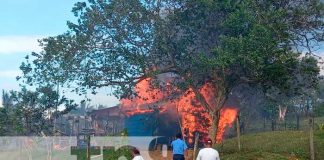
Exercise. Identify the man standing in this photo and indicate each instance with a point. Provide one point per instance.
(179, 147)
(208, 153)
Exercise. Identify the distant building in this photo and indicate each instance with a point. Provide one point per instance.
(107, 121)
(112, 121)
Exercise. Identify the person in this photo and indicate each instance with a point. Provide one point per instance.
(136, 154)
(208, 153)
(179, 148)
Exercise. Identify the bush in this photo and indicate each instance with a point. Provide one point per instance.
(110, 154)
(319, 127)
(319, 110)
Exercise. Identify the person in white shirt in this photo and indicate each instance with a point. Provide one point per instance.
(208, 153)
(136, 154)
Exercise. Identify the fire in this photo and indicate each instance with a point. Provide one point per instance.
(146, 95)
(142, 111)
(228, 116)
(193, 116)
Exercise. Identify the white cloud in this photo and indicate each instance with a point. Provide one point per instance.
(19, 44)
(10, 73)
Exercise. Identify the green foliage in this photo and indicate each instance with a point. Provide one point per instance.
(3, 117)
(121, 152)
(118, 43)
(319, 127)
(319, 110)
(124, 132)
(270, 145)
(321, 89)
(31, 112)
(255, 155)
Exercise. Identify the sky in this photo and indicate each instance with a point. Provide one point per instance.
(22, 23)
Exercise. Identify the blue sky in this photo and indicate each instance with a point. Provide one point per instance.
(22, 23)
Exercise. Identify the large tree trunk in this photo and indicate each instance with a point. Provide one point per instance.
(214, 125)
(213, 109)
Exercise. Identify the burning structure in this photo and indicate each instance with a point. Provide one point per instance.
(113, 121)
(153, 112)
(107, 121)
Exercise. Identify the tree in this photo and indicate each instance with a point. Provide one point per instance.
(119, 43)
(297, 88)
(6, 99)
(32, 112)
(10, 122)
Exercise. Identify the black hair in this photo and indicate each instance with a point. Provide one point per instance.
(179, 135)
(136, 151)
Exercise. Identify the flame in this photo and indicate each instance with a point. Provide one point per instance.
(146, 95)
(193, 116)
(228, 116)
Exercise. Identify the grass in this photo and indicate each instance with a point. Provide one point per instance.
(278, 145)
(108, 153)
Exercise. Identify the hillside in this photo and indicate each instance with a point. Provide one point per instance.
(290, 145)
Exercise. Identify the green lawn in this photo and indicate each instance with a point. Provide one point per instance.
(276, 145)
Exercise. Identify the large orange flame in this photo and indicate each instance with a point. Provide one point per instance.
(193, 116)
(228, 116)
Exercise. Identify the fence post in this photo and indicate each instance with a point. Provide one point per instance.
(311, 139)
(238, 133)
(195, 146)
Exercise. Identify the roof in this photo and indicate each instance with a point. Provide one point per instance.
(105, 113)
